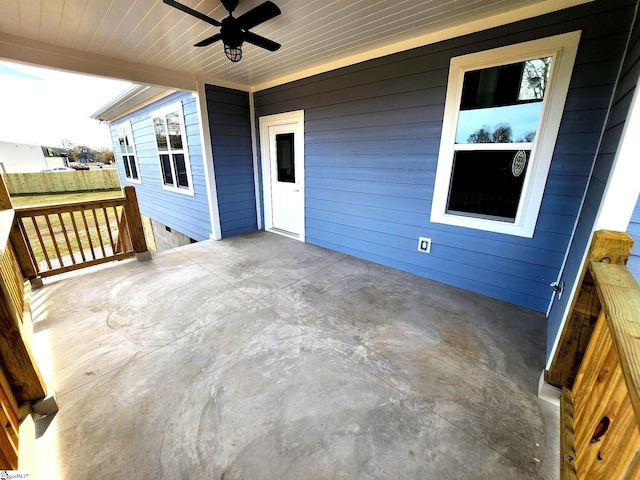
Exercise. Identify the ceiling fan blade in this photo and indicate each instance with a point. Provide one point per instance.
(260, 41)
(208, 41)
(263, 12)
(192, 12)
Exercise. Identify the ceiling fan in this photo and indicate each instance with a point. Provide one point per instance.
(235, 31)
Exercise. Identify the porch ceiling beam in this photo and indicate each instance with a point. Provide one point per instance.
(33, 52)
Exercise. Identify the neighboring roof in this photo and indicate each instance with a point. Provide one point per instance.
(151, 43)
(131, 100)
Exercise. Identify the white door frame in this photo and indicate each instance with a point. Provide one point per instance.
(295, 118)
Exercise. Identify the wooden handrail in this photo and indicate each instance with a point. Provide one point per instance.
(70, 207)
(620, 297)
(600, 412)
(64, 237)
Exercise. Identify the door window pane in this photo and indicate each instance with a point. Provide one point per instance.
(285, 157)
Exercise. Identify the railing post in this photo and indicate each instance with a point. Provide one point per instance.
(134, 220)
(18, 242)
(606, 246)
(27, 265)
(5, 200)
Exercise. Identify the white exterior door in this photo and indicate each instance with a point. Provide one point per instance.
(282, 141)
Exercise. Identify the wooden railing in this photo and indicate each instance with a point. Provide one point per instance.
(608, 247)
(20, 379)
(61, 238)
(37, 242)
(600, 407)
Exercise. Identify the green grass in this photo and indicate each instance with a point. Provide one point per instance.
(55, 198)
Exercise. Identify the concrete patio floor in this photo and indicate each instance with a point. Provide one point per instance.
(260, 357)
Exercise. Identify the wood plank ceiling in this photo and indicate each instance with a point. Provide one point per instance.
(146, 41)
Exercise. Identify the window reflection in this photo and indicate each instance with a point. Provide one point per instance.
(503, 104)
(161, 135)
(522, 120)
(175, 132)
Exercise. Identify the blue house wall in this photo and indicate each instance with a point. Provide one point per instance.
(372, 135)
(187, 214)
(230, 126)
(634, 230)
(621, 102)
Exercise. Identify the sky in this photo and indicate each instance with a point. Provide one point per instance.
(44, 107)
(521, 118)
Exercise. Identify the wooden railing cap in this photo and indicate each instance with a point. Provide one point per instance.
(619, 295)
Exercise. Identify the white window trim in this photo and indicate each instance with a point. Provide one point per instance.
(174, 107)
(563, 48)
(129, 132)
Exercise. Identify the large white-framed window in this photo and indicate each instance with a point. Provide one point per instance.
(127, 152)
(173, 155)
(502, 114)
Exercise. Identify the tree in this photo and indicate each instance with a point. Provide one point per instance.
(535, 78)
(502, 134)
(106, 156)
(529, 137)
(482, 135)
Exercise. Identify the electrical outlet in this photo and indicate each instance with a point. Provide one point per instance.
(424, 245)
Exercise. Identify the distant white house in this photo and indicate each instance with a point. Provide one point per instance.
(22, 158)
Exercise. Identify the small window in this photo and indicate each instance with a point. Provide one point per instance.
(502, 115)
(126, 152)
(171, 141)
(285, 159)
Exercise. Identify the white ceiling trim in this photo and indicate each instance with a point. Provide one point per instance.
(131, 100)
(548, 6)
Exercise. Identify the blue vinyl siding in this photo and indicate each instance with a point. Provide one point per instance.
(230, 126)
(186, 214)
(372, 136)
(634, 231)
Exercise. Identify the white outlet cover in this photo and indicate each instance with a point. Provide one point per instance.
(424, 244)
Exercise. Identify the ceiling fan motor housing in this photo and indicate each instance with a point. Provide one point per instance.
(231, 32)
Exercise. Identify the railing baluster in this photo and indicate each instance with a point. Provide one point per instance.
(106, 220)
(66, 239)
(42, 246)
(53, 239)
(88, 232)
(95, 219)
(114, 216)
(78, 239)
